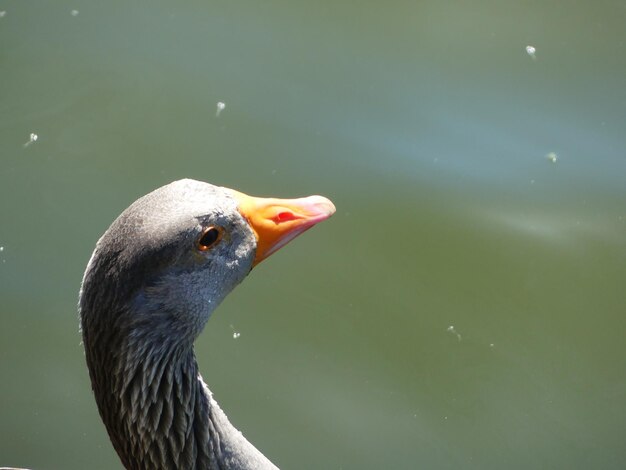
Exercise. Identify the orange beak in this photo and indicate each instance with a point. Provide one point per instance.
(276, 222)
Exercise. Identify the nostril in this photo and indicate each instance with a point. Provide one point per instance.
(285, 217)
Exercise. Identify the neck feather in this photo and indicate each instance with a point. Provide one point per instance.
(158, 411)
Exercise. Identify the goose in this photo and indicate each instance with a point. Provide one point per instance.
(153, 280)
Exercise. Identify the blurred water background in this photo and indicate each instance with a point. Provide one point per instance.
(465, 306)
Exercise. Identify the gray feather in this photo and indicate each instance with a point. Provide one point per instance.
(146, 295)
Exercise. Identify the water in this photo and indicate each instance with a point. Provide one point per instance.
(430, 127)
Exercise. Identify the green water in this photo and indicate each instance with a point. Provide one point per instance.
(465, 306)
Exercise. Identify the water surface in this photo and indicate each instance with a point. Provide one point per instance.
(465, 306)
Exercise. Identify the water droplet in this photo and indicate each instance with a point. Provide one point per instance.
(452, 330)
(74, 12)
(220, 107)
(530, 50)
(552, 156)
(33, 138)
(3, 13)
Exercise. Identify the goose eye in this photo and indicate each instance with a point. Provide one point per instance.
(209, 238)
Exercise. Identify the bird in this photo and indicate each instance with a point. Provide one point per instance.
(155, 277)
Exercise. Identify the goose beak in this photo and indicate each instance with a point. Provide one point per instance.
(276, 222)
